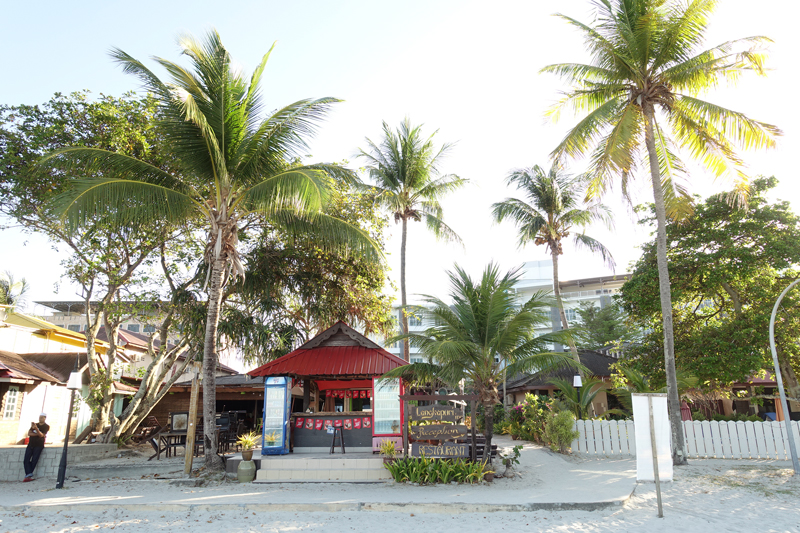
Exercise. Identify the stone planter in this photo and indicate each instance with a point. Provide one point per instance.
(246, 471)
(488, 477)
(389, 460)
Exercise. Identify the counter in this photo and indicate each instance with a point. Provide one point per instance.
(313, 440)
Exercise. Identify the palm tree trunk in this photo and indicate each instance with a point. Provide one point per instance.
(213, 461)
(673, 399)
(488, 431)
(562, 314)
(403, 300)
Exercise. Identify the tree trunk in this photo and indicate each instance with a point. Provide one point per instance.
(562, 314)
(673, 398)
(213, 461)
(403, 300)
(488, 431)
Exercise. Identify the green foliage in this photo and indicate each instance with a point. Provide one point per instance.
(12, 291)
(579, 399)
(388, 448)
(426, 471)
(602, 326)
(529, 418)
(727, 268)
(248, 441)
(512, 458)
(560, 431)
(734, 418)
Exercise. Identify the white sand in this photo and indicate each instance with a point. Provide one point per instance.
(708, 496)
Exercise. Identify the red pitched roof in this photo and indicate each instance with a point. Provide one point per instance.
(359, 357)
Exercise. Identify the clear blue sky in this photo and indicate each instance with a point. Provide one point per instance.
(466, 68)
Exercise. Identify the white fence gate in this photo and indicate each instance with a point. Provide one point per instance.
(704, 440)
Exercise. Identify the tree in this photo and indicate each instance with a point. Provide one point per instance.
(727, 268)
(12, 292)
(553, 209)
(641, 91)
(232, 166)
(405, 170)
(481, 334)
(579, 399)
(103, 259)
(602, 326)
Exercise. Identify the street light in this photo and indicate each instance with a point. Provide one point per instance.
(75, 382)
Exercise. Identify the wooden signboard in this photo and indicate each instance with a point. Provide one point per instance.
(438, 413)
(448, 449)
(438, 432)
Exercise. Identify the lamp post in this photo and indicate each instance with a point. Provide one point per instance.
(74, 383)
(577, 382)
(779, 380)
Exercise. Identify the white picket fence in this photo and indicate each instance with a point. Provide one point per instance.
(704, 440)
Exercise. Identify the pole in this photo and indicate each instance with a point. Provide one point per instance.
(62, 467)
(655, 457)
(779, 380)
(191, 430)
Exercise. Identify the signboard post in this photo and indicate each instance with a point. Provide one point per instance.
(440, 426)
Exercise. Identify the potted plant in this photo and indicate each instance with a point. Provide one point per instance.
(509, 460)
(488, 475)
(247, 441)
(388, 449)
(246, 471)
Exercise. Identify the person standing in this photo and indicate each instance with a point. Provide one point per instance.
(36, 436)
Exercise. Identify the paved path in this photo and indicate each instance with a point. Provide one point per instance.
(547, 481)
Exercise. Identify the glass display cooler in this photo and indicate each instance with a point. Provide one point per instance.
(387, 411)
(277, 407)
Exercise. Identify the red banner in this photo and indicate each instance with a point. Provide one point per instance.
(357, 423)
(299, 422)
(367, 422)
(318, 424)
(348, 423)
(309, 423)
(337, 423)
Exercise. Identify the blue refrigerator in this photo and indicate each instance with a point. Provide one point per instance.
(277, 403)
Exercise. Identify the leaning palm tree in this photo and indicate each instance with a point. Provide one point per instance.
(404, 168)
(641, 94)
(232, 166)
(482, 334)
(553, 210)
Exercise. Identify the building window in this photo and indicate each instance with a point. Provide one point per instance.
(149, 329)
(10, 410)
(133, 327)
(416, 360)
(74, 327)
(572, 316)
(413, 321)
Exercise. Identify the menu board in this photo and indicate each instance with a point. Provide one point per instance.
(386, 411)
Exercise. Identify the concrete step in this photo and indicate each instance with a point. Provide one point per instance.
(321, 470)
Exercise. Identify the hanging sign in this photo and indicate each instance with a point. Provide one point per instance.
(438, 432)
(447, 449)
(438, 413)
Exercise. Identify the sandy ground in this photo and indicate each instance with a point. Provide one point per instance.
(708, 496)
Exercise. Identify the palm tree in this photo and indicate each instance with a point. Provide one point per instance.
(482, 334)
(231, 166)
(554, 208)
(405, 170)
(12, 292)
(579, 399)
(641, 90)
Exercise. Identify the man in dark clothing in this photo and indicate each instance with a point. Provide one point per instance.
(35, 446)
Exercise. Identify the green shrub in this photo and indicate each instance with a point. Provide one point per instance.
(699, 416)
(560, 431)
(427, 471)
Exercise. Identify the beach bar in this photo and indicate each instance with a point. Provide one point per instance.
(339, 401)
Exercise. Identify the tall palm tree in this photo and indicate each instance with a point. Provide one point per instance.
(404, 168)
(12, 292)
(232, 165)
(481, 334)
(641, 91)
(553, 210)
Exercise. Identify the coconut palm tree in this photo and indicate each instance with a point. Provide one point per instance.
(12, 292)
(232, 166)
(641, 95)
(481, 334)
(579, 399)
(404, 168)
(553, 210)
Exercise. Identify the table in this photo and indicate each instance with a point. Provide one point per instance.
(167, 442)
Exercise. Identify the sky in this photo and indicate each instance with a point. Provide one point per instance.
(468, 70)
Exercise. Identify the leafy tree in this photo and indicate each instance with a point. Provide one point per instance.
(231, 166)
(404, 167)
(579, 399)
(727, 268)
(641, 93)
(482, 334)
(602, 326)
(554, 208)
(103, 259)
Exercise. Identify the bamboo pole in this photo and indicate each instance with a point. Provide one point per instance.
(190, 430)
